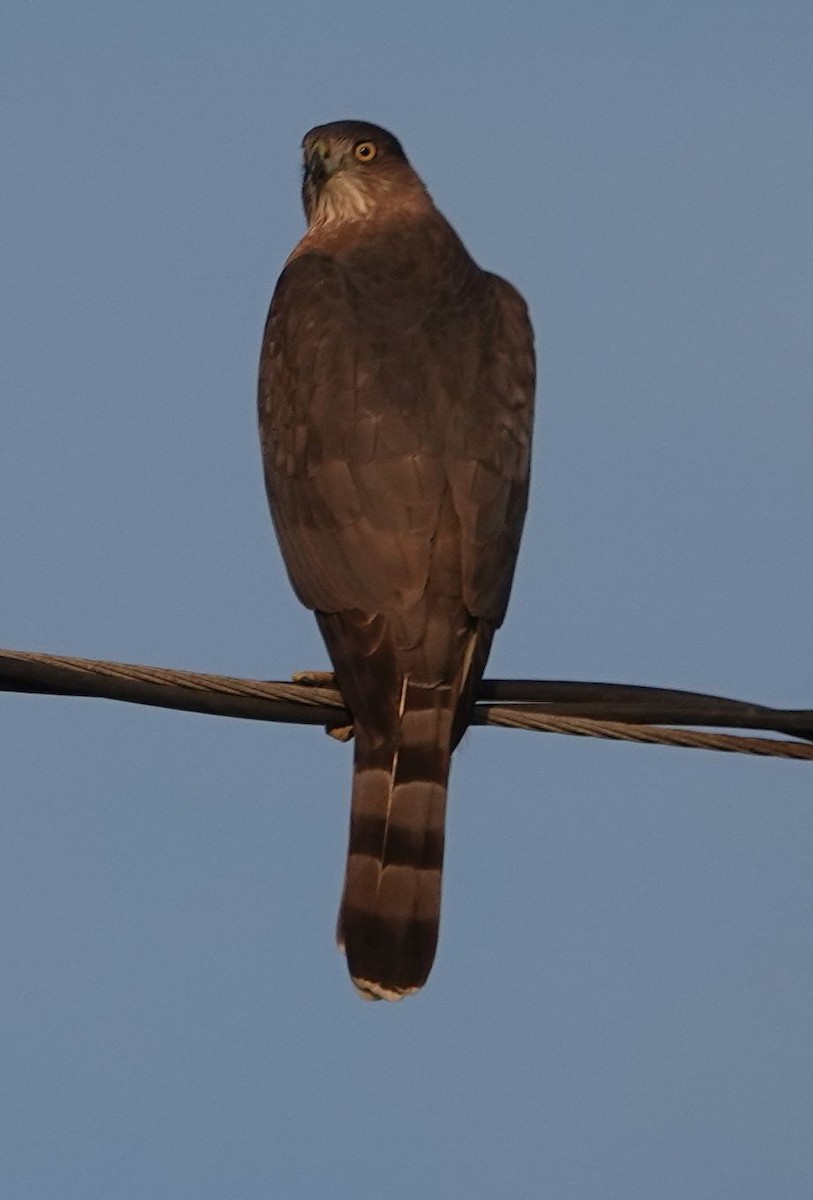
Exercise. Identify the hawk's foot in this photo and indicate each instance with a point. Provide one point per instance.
(325, 679)
(342, 733)
(315, 678)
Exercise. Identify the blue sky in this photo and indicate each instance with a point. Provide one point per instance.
(621, 1001)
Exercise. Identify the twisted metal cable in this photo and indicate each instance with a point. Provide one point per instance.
(621, 731)
(553, 706)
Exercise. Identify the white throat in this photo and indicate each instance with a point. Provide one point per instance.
(344, 197)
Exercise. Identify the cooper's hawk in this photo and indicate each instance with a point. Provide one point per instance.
(396, 395)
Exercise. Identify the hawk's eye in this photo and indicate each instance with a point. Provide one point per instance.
(365, 151)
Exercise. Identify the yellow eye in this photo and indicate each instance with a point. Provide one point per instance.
(365, 151)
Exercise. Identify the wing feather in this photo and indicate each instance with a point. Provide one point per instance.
(488, 459)
(365, 427)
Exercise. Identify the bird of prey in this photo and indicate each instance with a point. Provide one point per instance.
(395, 403)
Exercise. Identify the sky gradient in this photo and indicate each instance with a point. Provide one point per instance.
(621, 1001)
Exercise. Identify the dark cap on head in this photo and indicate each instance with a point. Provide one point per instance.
(355, 131)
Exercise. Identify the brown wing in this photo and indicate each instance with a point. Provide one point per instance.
(395, 420)
(488, 455)
(365, 426)
(354, 485)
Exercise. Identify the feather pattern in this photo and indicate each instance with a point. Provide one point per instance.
(395, 397)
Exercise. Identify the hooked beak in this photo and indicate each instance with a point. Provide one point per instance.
(319, 163)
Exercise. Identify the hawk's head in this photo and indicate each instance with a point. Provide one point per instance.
(353, 170)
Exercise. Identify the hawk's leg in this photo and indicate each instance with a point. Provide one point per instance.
(326, 679)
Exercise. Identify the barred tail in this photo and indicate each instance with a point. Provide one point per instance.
(390, 911)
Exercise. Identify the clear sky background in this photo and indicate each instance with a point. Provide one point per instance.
(621, 1005)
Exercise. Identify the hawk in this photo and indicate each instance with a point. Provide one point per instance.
(395, 403)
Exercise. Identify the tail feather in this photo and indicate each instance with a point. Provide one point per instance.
(390, 912)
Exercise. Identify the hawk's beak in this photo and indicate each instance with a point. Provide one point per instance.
(319, 163)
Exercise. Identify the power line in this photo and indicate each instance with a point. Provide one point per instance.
(620, 712)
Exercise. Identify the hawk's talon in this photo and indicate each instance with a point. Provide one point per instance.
(325, 679)
(342, 733)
